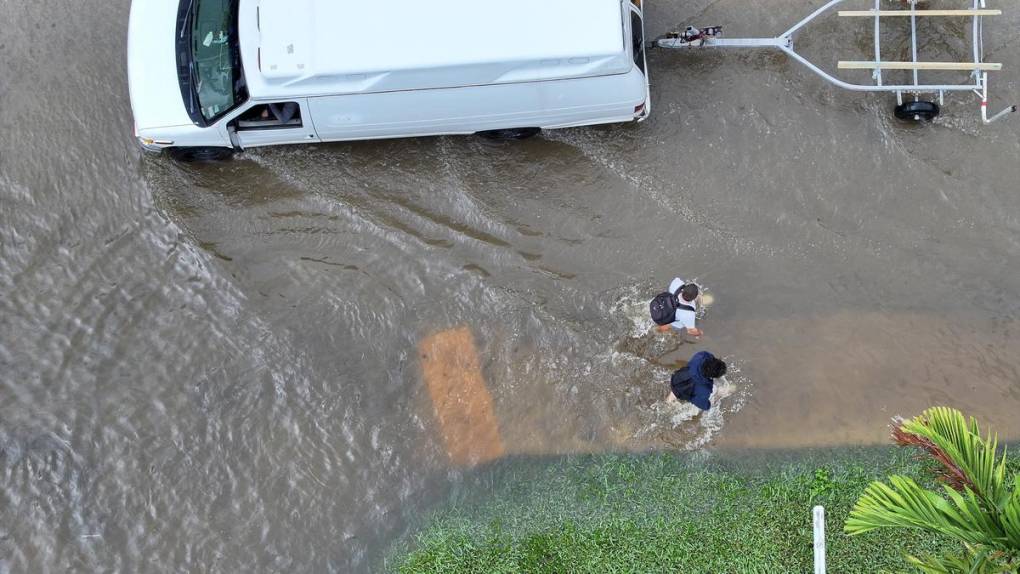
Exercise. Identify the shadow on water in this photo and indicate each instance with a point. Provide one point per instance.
(521, 497)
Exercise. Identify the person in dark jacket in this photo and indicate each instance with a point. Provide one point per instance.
(695, 382)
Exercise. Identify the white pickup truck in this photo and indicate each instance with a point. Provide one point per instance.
(210, 77)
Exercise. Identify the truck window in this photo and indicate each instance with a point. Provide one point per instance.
(209, 62)
(638, 37)
(270, 116)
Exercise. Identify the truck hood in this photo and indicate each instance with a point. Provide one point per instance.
(152, 68)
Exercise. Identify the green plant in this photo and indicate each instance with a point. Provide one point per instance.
(822, 484)
(979, 505)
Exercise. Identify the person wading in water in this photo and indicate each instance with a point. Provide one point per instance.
(677, 308)
(695, 382)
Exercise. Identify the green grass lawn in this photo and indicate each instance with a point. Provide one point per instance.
(661, 513)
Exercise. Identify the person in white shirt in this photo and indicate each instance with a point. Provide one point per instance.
(686, 319)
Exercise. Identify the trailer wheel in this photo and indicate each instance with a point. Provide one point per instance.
(917, 111)
(510, 133)
(200, 154)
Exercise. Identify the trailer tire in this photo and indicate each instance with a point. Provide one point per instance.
(200, 154)
(510, 133)
(917, 111)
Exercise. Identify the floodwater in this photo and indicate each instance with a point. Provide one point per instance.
(214, 368)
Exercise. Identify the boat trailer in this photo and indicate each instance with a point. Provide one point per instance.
(917, 109)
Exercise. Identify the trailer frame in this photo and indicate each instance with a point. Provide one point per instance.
(978, 68)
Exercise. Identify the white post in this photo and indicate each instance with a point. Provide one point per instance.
(878, 42)
(819, 513)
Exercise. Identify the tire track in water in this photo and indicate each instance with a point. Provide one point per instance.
(589, 144)
(449, 211)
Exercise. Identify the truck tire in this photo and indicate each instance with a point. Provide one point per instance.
(200, 154)
(510, 133)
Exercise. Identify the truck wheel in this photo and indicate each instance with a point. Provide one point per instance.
(510, 133)
(917, 111)
(193, 154)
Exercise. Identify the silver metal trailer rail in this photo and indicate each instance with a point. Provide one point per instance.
(918, 109)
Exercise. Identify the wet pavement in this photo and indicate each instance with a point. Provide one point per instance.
(216, 367)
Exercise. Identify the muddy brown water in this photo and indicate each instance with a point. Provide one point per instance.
(213, 368)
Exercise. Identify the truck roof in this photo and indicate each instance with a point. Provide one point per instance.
(315, 47)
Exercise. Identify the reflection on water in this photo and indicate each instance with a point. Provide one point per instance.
(215, 367)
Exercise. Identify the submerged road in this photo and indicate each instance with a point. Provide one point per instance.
(217, 367)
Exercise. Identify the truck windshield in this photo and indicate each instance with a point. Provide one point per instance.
(213, 73)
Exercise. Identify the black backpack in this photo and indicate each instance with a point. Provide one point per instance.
(665, 305)
(682, 384)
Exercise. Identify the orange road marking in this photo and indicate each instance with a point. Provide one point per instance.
(463, 405)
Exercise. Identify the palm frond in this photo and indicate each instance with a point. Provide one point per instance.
(1011, 516)
(972, 562)
(978, 506)
(971, 514)
(967, 459)
(950, 472)
(951, 564)
(905, 504)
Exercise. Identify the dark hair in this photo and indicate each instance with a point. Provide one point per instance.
(689, 292)
(713, 368)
